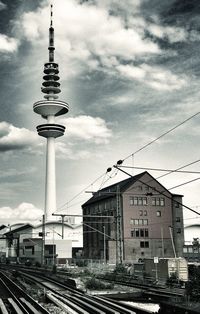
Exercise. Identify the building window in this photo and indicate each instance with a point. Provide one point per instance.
(158, 201)
(141, 212)
(146, 233)
(178, 230)
(185, 250)
(145, 212)
(132, 233)
(190, 250)
(144, 244)
(139, 222)
(139, 233)
(176, 204)
(162, 201)
(138, 201)
(158, 213)
(178, 219)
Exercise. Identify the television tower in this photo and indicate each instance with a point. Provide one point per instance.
(49, 108)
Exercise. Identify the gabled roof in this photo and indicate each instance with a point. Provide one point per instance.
(2, 227)
(123, 186)
(18, 229)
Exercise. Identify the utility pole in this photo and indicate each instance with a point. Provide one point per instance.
(104, 245)
(43, 241)
(62, 221)
(119, 241)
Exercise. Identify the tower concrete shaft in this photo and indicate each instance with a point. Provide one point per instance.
(49, 108)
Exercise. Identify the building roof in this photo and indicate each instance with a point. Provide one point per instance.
(123, 185)
(2, 227)
(56, 222)
(18, 229)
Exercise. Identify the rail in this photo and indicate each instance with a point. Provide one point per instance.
(15, 300)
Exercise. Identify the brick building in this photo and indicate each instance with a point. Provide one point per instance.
(132, 219)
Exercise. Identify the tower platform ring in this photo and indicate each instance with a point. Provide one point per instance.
(50, 130)
(50, 107)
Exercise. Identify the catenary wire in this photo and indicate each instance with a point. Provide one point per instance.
(162, 170)
(140, 149)
(162, 135)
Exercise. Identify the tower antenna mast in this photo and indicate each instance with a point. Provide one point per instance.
(49, 109)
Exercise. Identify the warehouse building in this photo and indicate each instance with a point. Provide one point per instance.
(133, 219)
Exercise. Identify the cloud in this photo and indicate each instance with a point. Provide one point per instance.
(8, 44)
(64, 151)
(156, 77)
(23, 212)
(13, 138)
(91, 35)
(173, 34)
(87, 128)
(3, 6)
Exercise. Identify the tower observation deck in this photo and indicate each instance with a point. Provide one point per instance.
(49, 108)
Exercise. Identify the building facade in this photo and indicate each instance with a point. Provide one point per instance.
(133, 219)
(24, 242)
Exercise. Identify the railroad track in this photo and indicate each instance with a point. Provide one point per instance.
(147, 288)
(14, 300)
(71, 300)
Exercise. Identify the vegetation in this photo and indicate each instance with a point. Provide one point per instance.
(54, 269)
(193, 285)
(120, 268)
(95, 284)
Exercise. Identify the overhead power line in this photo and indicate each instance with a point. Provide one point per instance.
(137, 151)
(187, 182)
(162, 135)
(162, 170)
(160, 192)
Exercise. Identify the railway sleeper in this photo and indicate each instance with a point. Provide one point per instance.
(98, 304)
(3, 308)
(88, 305)
(15, 306)
(116, 305)
(29, 306)
(67, 306)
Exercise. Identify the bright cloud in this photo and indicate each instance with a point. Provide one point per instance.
(173, 34)
(88, 128)
(8, 44)
(156, 77)
(23, 212)
(90, 34)
(13, 138)
(63, 151)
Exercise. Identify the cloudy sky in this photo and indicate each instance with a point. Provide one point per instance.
(129, 71)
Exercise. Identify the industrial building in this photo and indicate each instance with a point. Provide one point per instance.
(53, 243)
(133, 219)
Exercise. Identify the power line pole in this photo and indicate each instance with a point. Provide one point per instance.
(119, 238)
(43, 241)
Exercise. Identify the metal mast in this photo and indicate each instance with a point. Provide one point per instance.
(49, 108)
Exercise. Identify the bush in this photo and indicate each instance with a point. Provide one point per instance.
(120, 268)
(172, 280)
(54, 269)
(37, 264)
(28, 263)
(95, 284)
